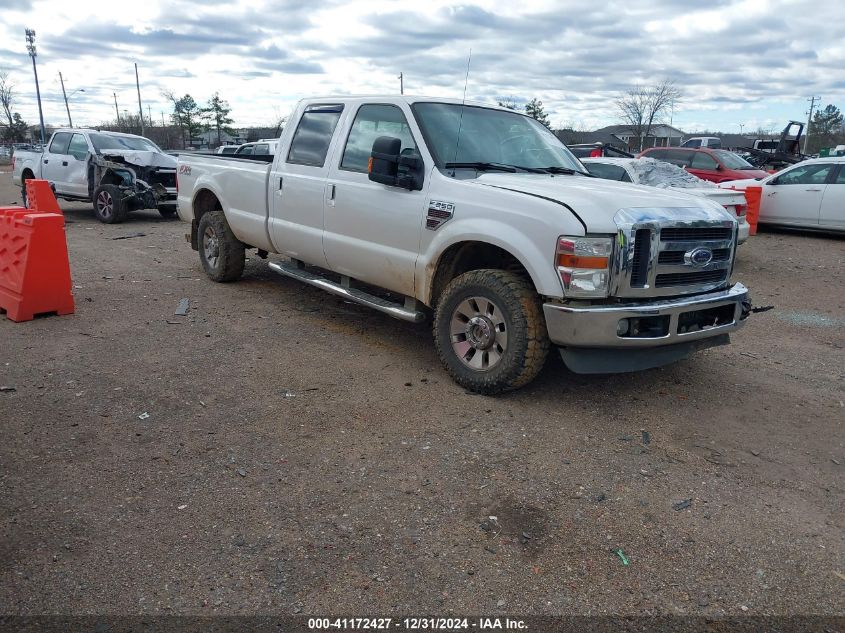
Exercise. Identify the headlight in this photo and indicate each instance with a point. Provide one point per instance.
(583, 264)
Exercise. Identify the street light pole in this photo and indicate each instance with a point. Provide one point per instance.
(30, 48)
(64, 94)
(140, 108)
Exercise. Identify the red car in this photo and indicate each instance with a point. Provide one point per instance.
(715, 165)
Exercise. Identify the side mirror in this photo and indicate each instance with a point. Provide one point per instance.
(388, 167)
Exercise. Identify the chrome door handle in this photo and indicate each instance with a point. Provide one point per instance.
(331, 192)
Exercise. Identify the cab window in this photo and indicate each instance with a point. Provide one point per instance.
(700, 160)
(262, 149)
(313, 135)
(78, 147)
(371, 122)
(806, 175)
(60, 142)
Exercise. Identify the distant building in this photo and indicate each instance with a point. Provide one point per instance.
(623, 137)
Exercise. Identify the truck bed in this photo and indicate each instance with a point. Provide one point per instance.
(241, 186)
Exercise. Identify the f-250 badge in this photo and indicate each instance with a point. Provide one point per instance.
(438, 213)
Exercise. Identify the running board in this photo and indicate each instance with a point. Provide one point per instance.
(407, 312)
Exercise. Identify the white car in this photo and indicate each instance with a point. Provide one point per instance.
(808, 195)
(658, 173)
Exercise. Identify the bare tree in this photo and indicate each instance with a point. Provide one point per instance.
(7, 98)
(642, 106)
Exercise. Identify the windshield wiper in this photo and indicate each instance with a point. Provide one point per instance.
(482, 166)
(564, 170)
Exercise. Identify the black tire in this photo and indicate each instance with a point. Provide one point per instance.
(167, 212)
(109, 206)
(516, 313)
(221, 253)
(26, 176)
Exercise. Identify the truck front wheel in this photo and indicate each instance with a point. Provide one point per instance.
(490, 332)
(221, 253)
(109, 206)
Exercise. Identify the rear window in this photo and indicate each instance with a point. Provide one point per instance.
(681, 158)
(313, 135)
(732, 161)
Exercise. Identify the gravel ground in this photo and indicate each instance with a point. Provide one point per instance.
(305, 455)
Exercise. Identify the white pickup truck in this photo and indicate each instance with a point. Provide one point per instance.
(117, 172)
(481, 218)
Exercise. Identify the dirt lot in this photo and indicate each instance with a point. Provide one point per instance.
(305, 455)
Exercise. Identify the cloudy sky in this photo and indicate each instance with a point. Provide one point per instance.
(749, 62)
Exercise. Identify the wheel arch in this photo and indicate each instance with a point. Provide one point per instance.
(205, 200)
(467, 255)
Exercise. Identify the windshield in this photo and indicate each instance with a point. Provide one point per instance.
(107, 141)
(732, 161)
(490, 136)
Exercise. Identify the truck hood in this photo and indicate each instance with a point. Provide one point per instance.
(142, 159)
(594, 200)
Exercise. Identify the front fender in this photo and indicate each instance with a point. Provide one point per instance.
(537, 257)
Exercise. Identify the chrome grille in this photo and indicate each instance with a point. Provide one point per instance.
(659, 251)
(694, 235)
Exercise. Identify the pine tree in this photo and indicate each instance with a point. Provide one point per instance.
(217, 114)
(534, 109)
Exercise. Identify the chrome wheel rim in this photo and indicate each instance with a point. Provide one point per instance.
(478, 333)
(210, 246)
(105, 204)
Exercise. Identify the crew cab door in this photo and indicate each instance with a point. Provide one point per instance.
(76, 170)
(372, 231)
(297, 185)
(54, 161)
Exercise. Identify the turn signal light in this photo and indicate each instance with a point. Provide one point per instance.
(576, 261)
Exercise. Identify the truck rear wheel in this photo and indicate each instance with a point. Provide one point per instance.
(490, 332)
(109, 206)
(221, 253)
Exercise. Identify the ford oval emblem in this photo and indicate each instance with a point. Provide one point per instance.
(699, 257)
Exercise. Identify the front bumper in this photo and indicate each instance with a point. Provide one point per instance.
(595, 326)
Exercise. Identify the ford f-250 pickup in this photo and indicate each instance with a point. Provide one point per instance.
(478, 216)
(117, 172)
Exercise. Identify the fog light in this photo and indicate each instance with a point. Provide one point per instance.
(622, 327)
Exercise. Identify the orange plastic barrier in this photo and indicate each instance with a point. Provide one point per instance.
(34, 267)
(40, 197)
(753, 194)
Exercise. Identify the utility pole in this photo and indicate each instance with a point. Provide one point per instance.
(741, 126)
(140, 109)
(812, 101)
(116, 111)
(30, 48)
(401, 83)
(149, 115)
(64, 94)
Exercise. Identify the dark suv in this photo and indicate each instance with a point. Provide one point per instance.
(715, 165)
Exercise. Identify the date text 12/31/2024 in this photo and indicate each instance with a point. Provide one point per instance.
(417, 624)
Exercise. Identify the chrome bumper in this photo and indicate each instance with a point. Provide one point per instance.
(595, 326)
